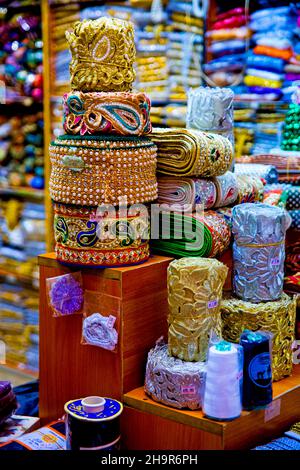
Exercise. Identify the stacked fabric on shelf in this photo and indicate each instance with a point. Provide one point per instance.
(265, 171)
(289, 441)
(104, 160)
(227, 38)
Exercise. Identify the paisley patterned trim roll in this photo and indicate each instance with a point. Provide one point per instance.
(103, 53)
(101, 169)
(275, 317)
(102, 113)
(84, 238)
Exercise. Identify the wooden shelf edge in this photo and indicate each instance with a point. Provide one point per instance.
(138, 400)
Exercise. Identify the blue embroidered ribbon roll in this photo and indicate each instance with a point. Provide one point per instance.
(258, 251)
(102, 113)
(87, 236)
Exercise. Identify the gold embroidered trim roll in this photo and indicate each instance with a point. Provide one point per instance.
(277, 317)
(101, 113)
(103, 53)
(86, 237)
(194, 297)
(102, 169)
(189, 152)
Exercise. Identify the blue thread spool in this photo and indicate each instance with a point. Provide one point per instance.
(93, 423)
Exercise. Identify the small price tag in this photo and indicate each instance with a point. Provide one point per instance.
(111, 321)
(212, 304)
(275, 261)
(272, 410)
(188, 389)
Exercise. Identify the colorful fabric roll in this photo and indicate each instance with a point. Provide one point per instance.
(180, 192)
(189, 152)
(103, 53)
(251, 80)
(194, 296)
(284, 54)
(265, 63)
(282, 443)
(85, 236)
(293, 198)
(250, 188)
(258, 251)
(275, 317)
(282, 160)
(227, 189)
(95, 170)
(174, 382)
(102, 113)
(295, 215)
(196, 235)
(267, 172)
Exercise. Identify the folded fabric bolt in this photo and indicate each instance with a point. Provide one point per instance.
(277, 317)
(174, 382)
(193, 235)
(231, 13)
(295, 214)
(101, 113)
(265, 63)
(231, 22)
(189, 152)
(225, 45)
(293, 76)
(101, 169)
(284, 54)
(227, 189)
(277, 92)
(264, 74)
(194, 295)
(250, 188)
(278, 43)
(233, 33)
(292, 68)
(252, 80)
(293, 198)
(283, 161)
(282, 443)
(268, 172)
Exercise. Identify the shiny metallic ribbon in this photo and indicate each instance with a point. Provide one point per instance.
(258, 251)
(194, 296)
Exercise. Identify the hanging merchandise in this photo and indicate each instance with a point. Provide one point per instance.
(257, 383)
(65, 294)
(194, 295)
(189, 152)
(258, 251)
(93, 423)
(205, 235)
(222, 390)
(89, 236)
(174, 382)
(277, 317)
(101, 320)
(101, 169)
(103, 53)
(97, 113)
(211, 109)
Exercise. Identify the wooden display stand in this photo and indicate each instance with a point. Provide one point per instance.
(148, 425)
(69, 369)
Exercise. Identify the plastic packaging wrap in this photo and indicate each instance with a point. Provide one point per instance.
(65, 294)
(101, 320)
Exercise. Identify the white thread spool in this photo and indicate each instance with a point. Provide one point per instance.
(93, 404)
(222, 395)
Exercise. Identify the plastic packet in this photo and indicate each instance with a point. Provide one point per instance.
(101, 320)
(222, 392)
(65, 294)
(257, 384)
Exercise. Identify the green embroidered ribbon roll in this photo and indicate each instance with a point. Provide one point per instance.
(189, 152)
(192, 235)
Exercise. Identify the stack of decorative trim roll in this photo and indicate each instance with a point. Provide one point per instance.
(175, 373)
(104, 161)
